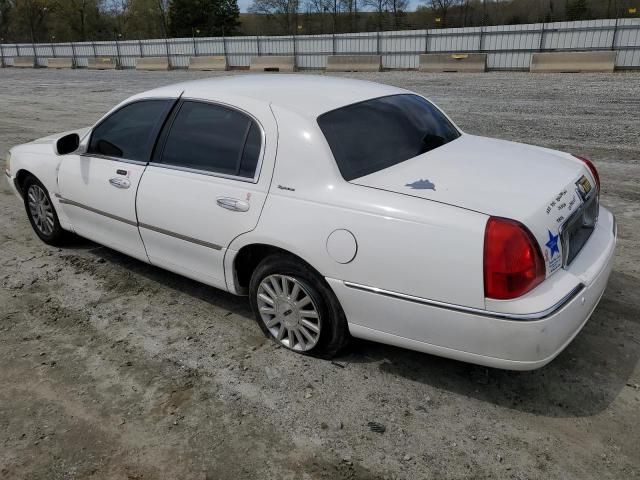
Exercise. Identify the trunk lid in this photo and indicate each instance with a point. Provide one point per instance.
(536, 186)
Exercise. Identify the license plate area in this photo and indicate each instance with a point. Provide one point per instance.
(578, 228)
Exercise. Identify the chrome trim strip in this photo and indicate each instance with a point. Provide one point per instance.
(203, 172)
(471, 310)
(95, 210)
(139, 225)
(180, 237)
(113, 159)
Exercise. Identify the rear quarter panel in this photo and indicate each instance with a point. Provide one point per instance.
(404, 244)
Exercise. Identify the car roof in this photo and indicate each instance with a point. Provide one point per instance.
(306, 94)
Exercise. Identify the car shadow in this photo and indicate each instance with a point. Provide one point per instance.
(582, 381)
(214, 296)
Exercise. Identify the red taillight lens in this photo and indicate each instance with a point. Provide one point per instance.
(592, 168)
(513, 264)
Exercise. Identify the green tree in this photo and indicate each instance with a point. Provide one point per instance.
(76, 19)
(225, 18)
(577, 10)
(31, 19)
(6, 9)
(211, 17)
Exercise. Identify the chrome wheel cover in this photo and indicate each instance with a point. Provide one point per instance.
(289, 312)
(41, 209)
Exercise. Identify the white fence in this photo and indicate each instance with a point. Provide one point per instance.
(508, 47)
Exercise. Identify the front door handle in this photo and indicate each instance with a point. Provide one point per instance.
(233, 204)
(120, 182)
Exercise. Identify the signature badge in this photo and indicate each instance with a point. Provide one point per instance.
(584, 187)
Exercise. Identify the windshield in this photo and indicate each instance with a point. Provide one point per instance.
(375, 134)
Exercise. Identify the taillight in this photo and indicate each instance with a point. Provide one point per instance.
(592, 168)
(513, 263)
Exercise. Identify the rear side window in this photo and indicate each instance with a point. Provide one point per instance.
(130, 132)
(213, 138)
(373, 135)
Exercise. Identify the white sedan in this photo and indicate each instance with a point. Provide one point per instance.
(341, 208)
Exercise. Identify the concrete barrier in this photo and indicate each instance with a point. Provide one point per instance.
(152, 63)
(453, 62)
(23, 62)
(354, 63)
(573, 62)
(101, 63)
(209, 63)
(273, 63)
(60, 62)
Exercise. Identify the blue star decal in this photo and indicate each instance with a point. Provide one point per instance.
(552, 244)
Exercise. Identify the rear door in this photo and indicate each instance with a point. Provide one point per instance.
(98, 188)
(206, 184)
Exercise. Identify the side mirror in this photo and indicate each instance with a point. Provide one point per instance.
(67, 144)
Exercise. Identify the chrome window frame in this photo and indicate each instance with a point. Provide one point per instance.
(263, 143)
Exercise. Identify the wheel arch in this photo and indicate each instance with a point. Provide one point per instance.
(247, 258)
(20, 178)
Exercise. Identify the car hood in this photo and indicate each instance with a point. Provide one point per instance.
(533, 185)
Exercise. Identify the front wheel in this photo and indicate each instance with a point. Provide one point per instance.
(294, 305)
(42, 215)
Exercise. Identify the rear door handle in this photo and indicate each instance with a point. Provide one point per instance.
(120, 182)
(233, 204)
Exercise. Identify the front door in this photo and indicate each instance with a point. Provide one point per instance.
(98, 188)
(206, 184)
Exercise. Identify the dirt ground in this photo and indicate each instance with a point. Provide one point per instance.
(113, 369)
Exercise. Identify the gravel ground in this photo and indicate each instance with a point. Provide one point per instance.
(114, 369)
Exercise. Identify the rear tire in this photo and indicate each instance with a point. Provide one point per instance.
(41, 213)
(295, 307)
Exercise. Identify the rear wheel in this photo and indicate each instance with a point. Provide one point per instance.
(42, 215)
(294, 305)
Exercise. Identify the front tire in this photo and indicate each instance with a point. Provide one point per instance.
(41, 213)
(295, 307)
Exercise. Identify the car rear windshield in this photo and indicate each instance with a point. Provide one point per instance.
(370, 136)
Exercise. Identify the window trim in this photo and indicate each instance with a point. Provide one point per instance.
(171, 102)
(166, 129)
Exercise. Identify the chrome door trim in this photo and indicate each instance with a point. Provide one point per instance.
(95, 210)
(471, 310)
(180, 237)
(113, 159)
(139, 225)
(203, 172)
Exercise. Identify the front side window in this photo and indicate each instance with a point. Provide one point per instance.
(213, 138)
(130, 132)
(370, 136)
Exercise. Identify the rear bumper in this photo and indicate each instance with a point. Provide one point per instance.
(512, 338)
